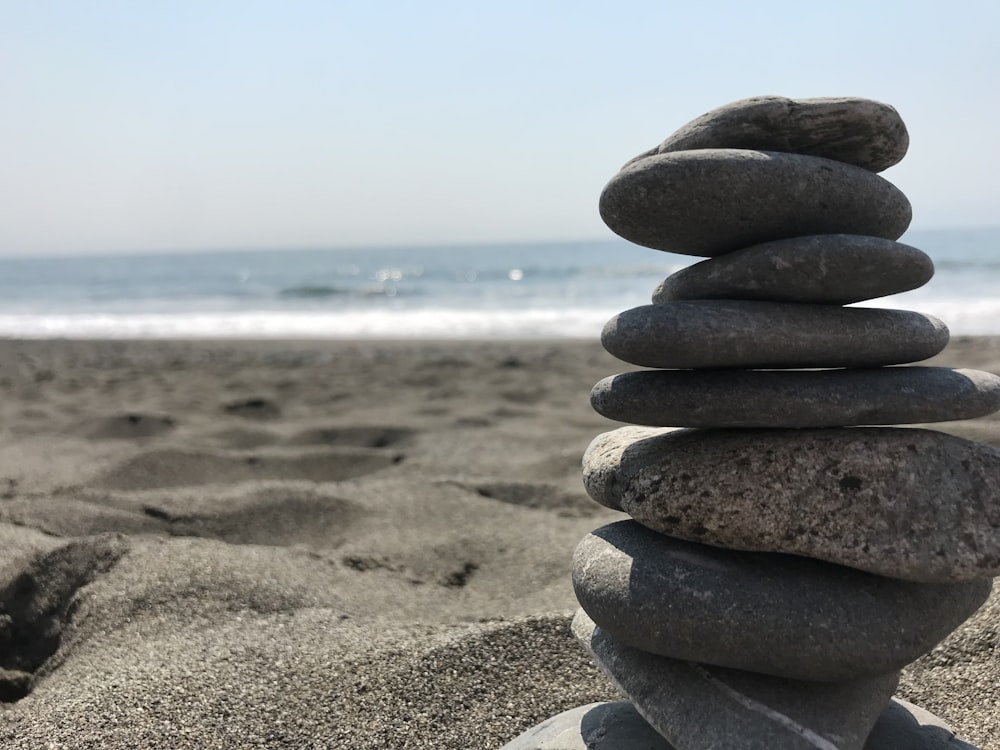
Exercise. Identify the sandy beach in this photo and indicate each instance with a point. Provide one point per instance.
(324, 545)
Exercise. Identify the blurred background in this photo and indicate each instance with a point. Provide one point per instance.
(395, 169)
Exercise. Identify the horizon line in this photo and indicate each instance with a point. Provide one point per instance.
(443, 245)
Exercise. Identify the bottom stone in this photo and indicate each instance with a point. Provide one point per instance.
(599, 726)
(698, 706)
(618, 726)
(903, 726)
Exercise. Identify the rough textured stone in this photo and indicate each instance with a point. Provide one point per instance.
(762, 612)
(800, 398)
(900, 502)
(618, 726)
(833, 269)
(696, 706)
(598, 726)
(862, 132)
(713, 201)
(744, 333)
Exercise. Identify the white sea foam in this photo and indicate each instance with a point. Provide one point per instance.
(963, 317)
(426, 324)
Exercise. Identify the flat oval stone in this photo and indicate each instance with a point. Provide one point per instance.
(799, 398)
(617, 725)
(763, 612)
(861, 132)
(746, 333)
(597, 726)
(832, 269)
(900, 502)
(903, 726)
(699, 706)
(714, 201)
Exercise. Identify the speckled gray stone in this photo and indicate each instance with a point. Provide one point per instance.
(862, 132)
(697, 706)
(834, 269)
(597, 726)
(900, 502)
(763, 612)
(618, 726)
(745, 333)
(713, 201)
(798, 398)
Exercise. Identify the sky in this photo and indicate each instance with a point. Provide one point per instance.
(141, 125)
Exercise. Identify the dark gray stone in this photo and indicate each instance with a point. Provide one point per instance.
(697, 706)
(745, 333)
(798, 398)
(861, 132)
(618, 726)
(903, 726)
(597, 726)
(900, 502)
(774, 614)
(833, 269)
(713, 201)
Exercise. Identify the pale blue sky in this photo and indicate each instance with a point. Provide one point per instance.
(148, 125)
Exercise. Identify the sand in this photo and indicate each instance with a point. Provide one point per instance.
(323, 544)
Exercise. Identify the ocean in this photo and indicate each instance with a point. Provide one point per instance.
(544, 290)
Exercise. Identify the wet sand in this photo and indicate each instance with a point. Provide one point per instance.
(323, 544)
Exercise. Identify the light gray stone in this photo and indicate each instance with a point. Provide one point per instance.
(833, 269)
(618, 726)
(774, 614)
(900, 502)
(798, 398)
(697, 706)
(745, 333)
(597, 726)
(862, 132)
(713, 201)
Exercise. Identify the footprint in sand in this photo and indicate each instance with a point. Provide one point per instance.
(180, 468)
(131, 426)
(39, 602)
(242, 438)
(539, 496)
(473, 421)
(253, 408)
(447, 570)
(272, 516)
(360, 437)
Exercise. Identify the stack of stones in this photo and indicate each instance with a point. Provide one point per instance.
(786, 556)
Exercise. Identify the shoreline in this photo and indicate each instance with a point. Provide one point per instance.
(330, 543)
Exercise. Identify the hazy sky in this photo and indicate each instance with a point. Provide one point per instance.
(144, 125)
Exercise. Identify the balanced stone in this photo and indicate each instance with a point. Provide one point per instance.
(798, 398)
(900, 502)
(713, 201)
(862, 132)
(618, 726)
(746, 333)
(597, 726)
(699, 706)
(833, 269)
(762, 612)
(903, 726)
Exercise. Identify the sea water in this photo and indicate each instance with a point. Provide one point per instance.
(538, 290)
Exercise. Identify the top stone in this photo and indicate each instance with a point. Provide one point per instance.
(861, 132)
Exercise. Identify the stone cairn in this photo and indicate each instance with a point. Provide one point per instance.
(787, 556)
